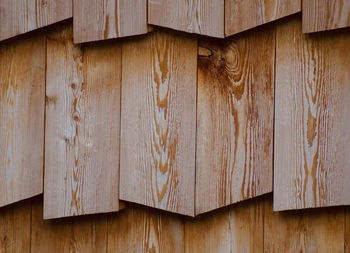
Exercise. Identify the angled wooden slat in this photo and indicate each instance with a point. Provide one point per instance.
(82, 126)
(21, 16)
(159, 121)
(246, 14)
(106, 19)
(22, 105)
(204, 17)
(311, 137)
(321, 15)
(140, 229)
(235, 119)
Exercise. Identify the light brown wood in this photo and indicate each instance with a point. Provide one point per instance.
(82, 126)
(235, 119)
(139, 229)
(157, 166)
(347, 230)
(321, 15)
(21, 16)
(241, 15)
(15, 228)
(204, 17)
(80, 234)
(311, 127)
(106, 19)
(22, 103)
(319, 230)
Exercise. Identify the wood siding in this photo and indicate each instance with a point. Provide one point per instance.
(246, 14)
(105, 19)
(204, 17)
(159, 121)
(21, 16)
(82, 126)
(311, 137)
(235, 119)
(22, 102)
(321, 15)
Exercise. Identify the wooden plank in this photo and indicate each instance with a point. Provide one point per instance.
(235, 119)
(311, 137)
(139, 229)
(204, 17)
(318, 230)
(21, 16)
(321, 15)
(82, 126)
(100, 20)
(79, 234)
(15, 228)
(157, 166)
(347, 230)
(22, 103)
(247, 14)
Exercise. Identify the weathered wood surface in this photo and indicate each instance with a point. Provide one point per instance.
(139, 229)
(318, 230)
(105, 19)
(311, 125)
(246, 14)
(21, 16)
(22, 103)
(82, 126)
(321, 15)
(235, 119)
(15, 228)
(80, 234)
(236, 229)
(204, 17)
(157, 166)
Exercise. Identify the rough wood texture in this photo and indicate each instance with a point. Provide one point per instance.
(139, 229)
(241, 15)
(106, 19)
(236, 229)
(311, 138)
(82, 126)
(21, 16)
(159, 121)
(204, 17)
(81, 234)
(15, 228)
(304, 231)
(235, 119)
(321, 15)
(22, 103)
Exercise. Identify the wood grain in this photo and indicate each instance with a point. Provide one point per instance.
(74, 235)
(319, 230)
(22, 103)
(235, 119)
(321, 15)
(159, 121)
(82, 126)
(347, 230)
(107, 19)
(243, 15)
(311, 137)
(204, 17)
(139, 229)
(15, 228)
(21, 16)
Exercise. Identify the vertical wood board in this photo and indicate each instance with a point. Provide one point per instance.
(235, 119)
(82, 126)
(311, 127)
(106, 19)
(159, 121)
(204, 17)
(22, 103)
